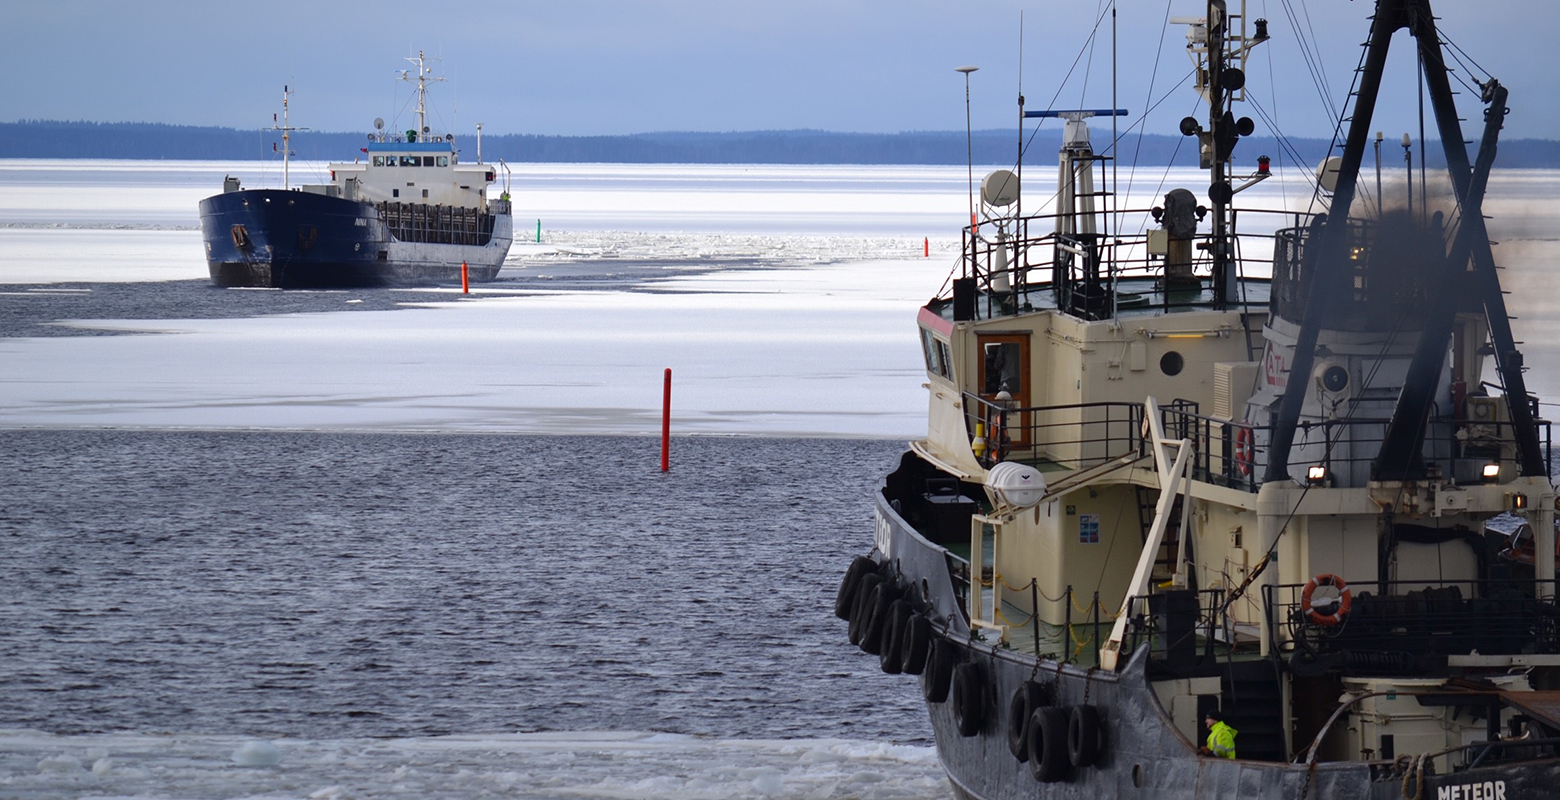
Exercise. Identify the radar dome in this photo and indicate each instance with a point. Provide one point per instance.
(1000, 188)
(1327, 173)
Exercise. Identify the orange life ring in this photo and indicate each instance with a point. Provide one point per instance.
(1345, 599)
(1243, 449)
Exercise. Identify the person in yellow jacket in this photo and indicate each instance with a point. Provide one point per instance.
(1221, 737)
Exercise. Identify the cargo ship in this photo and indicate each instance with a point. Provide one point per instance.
(406, 212)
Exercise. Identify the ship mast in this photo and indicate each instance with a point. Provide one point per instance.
(286, 129)
(423, 79)
(1219, 51)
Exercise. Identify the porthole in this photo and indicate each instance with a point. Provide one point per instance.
(1171, 363)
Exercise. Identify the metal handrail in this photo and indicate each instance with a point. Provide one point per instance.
(1082, 259)
(1077, 436)
(1499, 616)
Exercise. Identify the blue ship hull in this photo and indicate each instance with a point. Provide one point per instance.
(294, 239)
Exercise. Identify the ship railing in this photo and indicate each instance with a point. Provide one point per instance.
(1180, 627)
(1068, 437)
(1387, 625)
(1235, 454)
(1010, 257)
(437, 224)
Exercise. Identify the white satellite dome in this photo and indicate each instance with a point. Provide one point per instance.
(1016, 485)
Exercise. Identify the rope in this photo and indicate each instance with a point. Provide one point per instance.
(1413, 774)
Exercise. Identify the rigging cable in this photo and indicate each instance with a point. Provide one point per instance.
(1147, 100)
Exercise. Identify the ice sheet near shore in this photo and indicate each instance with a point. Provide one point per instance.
(792, 312)
(811, 351)
(35, 766)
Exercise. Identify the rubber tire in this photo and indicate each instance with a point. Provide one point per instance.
(1048, 744)
(939, 670)
(858, 621)
(969, 698)
(1083, 736)
(915, 642)
(1026, 698)
(877, 616)
(846, 597)
(889, 647)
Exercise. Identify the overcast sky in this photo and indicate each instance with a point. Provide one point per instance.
(615, 66)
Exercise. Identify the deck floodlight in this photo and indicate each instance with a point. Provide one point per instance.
(1316, 475)
(1491, 472)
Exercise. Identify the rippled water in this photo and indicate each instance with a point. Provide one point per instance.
(323, 585)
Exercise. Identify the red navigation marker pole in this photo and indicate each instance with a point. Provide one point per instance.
(465, 283)
(926, 247)
(666, 423)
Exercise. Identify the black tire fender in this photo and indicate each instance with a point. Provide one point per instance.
(858, 619)
(846, 597)
(968, 690)
(877, 616)
(1026, 698)
(893, 631)
(1048, 744)
(939, 670)
(1083, 736)
(914, 643)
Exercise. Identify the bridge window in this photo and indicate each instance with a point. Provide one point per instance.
(444, 161)
(937, 355)
(410, 161)
(389, 160)
(427, 161)
(379, 161)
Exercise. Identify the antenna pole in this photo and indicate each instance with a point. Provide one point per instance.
(1115, 186)
(286, 128)
(969, 143)
(1218, 22)
(423, 79)
(286, 142)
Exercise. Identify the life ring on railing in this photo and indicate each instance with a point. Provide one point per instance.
(1243, 449)
(1344, 601)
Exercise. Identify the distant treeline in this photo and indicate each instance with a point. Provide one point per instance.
(139, 140)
